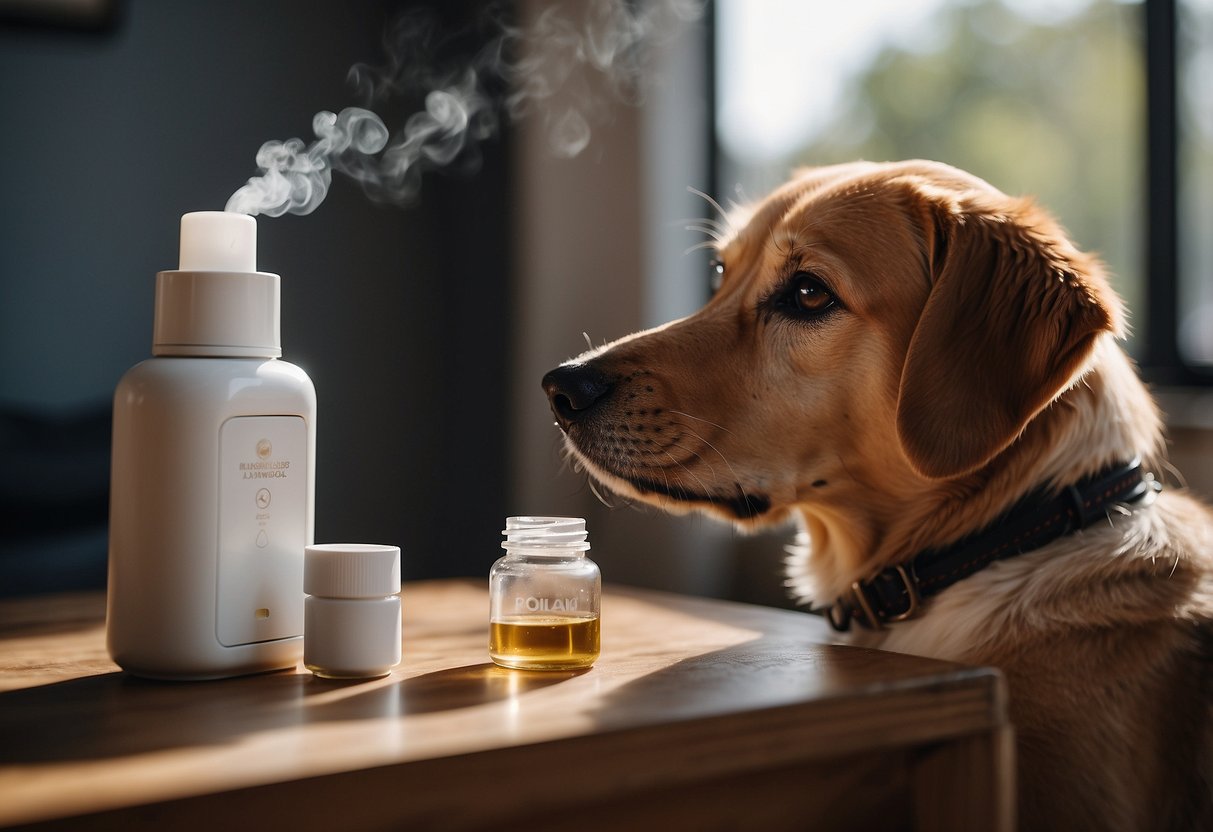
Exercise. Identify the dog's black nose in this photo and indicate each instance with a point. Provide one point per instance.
(573, 390)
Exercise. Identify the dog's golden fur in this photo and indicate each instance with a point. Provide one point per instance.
(965, 355)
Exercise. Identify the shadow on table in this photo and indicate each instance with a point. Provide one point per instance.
(765, 672)
(116, 714)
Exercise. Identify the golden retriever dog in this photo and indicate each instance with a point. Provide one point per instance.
(924, 374)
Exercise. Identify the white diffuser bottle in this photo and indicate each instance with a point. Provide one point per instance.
(212, 474)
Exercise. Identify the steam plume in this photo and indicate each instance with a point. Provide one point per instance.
(565, 61)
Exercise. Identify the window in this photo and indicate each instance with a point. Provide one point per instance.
(1048, 98)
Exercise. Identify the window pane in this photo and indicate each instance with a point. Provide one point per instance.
(1195, 44)
(1038, 97)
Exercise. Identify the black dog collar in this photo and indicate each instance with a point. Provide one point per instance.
(1041, 517)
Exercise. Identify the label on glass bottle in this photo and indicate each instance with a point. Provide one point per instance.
(262, 528)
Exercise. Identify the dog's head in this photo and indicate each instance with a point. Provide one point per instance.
(877, 328)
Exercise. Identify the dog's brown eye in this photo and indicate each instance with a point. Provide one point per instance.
(810, 295)
(805, 297)
(717, 275)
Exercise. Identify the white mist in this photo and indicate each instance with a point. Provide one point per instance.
(212, 475)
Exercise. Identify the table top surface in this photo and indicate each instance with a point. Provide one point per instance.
(78, 735)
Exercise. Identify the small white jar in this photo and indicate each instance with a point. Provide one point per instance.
(351, 620)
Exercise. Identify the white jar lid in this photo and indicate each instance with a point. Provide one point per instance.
(351, 570)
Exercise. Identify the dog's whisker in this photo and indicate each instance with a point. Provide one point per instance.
(665, 476)
(698, 419)
(598, 494)
(708, 222)
(723, 458)
(705, 224)
(710, 201)
(787, 250)
(588, 342)
(568, 459)
(711, 231)
(698, 457)
(704, 489)
(714, 239)
(678, 490)
(706, 244)
(800, 248)
(714, 234)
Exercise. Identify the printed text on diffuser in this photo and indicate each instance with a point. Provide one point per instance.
(264, 470)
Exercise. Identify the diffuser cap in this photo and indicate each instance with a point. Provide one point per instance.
(217, 303)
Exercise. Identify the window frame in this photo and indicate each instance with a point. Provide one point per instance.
(1162, 360)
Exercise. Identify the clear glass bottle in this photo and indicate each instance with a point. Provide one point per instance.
(544, 596)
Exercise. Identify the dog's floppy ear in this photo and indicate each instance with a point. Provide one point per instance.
(1011, 320)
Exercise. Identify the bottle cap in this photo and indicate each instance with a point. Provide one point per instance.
(545, 535)
(351, 570)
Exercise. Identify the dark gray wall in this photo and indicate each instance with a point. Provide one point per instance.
(398, 314)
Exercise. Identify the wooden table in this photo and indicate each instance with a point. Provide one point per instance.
(699, 715)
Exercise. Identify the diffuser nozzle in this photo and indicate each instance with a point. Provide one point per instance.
(218, 241)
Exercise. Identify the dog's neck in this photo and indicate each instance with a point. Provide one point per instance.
(1105, 417)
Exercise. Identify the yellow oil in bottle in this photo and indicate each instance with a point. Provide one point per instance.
(544, 642)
